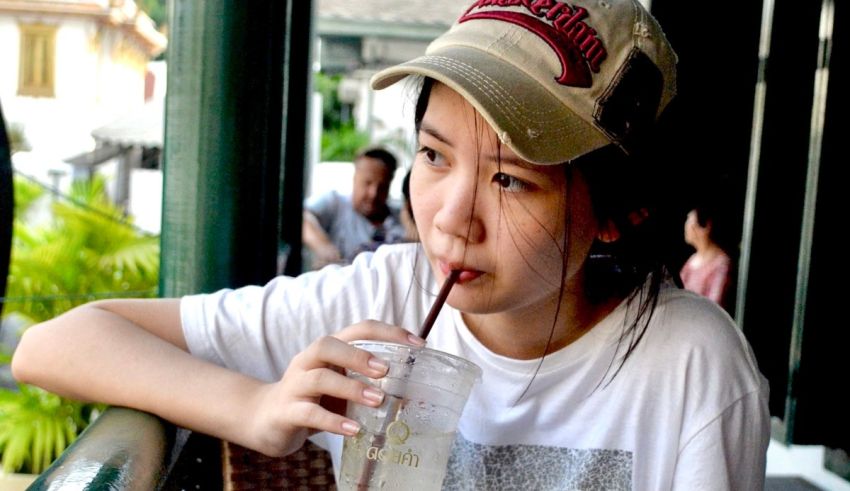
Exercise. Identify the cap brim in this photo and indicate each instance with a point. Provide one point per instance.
(530, 120)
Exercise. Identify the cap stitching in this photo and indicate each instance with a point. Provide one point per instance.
(471, 73)
(490, 89)
(498, 94)
(538, 127)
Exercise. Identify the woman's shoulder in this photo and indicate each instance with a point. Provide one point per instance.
(694, 347)
(693, 319)
(397, 257)
(401, 281)
(689, 329)
(679, 305)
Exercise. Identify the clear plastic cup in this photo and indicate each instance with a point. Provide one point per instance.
(405, 442)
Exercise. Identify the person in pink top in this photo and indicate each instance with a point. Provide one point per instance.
(708, 271)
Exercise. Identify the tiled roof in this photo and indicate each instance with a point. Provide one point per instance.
(413, 12)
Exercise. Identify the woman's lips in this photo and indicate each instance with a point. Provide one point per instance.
(466, 274)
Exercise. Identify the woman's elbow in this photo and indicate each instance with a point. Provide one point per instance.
(42, 346)
(25, 359)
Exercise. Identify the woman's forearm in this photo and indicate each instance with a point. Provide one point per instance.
(94, 354)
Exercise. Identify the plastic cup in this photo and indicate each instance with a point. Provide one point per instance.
(405, 442)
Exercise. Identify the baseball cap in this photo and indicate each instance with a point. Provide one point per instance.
(555, 80)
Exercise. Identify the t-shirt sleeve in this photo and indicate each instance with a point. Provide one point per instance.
(324, 207)
(257, 330)
(730, 451)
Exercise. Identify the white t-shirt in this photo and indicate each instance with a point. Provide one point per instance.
(687, 410)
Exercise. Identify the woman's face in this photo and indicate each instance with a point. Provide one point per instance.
(498, 218)
(695, 234)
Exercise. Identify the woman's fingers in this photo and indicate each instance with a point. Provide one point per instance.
(317, 374)
(307, 415)
(335, 350)
(307, 388)
(326, 382)
(379, 331)
(332, 352)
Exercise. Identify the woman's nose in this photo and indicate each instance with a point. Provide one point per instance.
(460, 213)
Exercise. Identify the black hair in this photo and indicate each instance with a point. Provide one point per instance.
(405, 186)
(626, 191)
(405, 191)
(630, 192)
(382, 154)
(722, 230)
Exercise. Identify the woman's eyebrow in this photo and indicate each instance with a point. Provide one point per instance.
(502, 159)
(430, 130)
(510, 160)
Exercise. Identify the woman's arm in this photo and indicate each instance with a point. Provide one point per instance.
(718, 281)
(317, 240)
(133, 353)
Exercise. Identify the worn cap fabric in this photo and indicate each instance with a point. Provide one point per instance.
(555, 80)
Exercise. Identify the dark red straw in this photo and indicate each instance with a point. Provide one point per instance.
(438, 303)
(395, 403)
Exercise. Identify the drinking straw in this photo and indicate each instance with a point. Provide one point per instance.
(395, 403)
(438, 303)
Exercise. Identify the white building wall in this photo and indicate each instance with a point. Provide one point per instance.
(95, 82)
(9, 46)
(387, 115)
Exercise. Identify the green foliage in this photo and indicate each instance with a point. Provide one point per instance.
(327, 86)
(340, 139)
(155, 10)
(81, 253)
(36, 427)
(88, 249)
(26, 193)
(17, 140)
(343, 143)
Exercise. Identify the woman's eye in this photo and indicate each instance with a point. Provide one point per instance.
(431, 156)
(510, 183)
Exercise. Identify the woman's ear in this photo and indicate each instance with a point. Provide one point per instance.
(638, 216)
(608, 232)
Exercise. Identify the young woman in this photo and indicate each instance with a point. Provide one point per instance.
(531, 179)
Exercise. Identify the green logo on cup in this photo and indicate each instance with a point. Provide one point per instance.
(398, 432)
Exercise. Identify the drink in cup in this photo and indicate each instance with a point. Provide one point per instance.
(405, 443)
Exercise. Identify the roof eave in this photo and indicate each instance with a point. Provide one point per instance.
(358, 28)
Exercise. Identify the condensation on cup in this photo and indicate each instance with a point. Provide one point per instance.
(405, 443)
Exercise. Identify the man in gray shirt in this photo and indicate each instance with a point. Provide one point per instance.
(337, 227)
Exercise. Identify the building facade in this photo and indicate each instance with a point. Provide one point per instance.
(70, 66)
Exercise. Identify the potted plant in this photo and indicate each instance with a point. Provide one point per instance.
(87, 250)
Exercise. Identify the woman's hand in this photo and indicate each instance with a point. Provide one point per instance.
(314, 390)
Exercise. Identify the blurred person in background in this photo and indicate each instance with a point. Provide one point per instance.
(709, 270)
(337, 227)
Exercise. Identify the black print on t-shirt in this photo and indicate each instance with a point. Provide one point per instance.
(535, 467)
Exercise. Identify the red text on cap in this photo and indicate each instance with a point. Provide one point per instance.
(573, 41)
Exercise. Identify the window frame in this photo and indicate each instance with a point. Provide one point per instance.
(27, 63)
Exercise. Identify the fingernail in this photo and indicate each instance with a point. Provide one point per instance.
(373, 395)
(415, 340)
(350, 428)
(378, 364)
